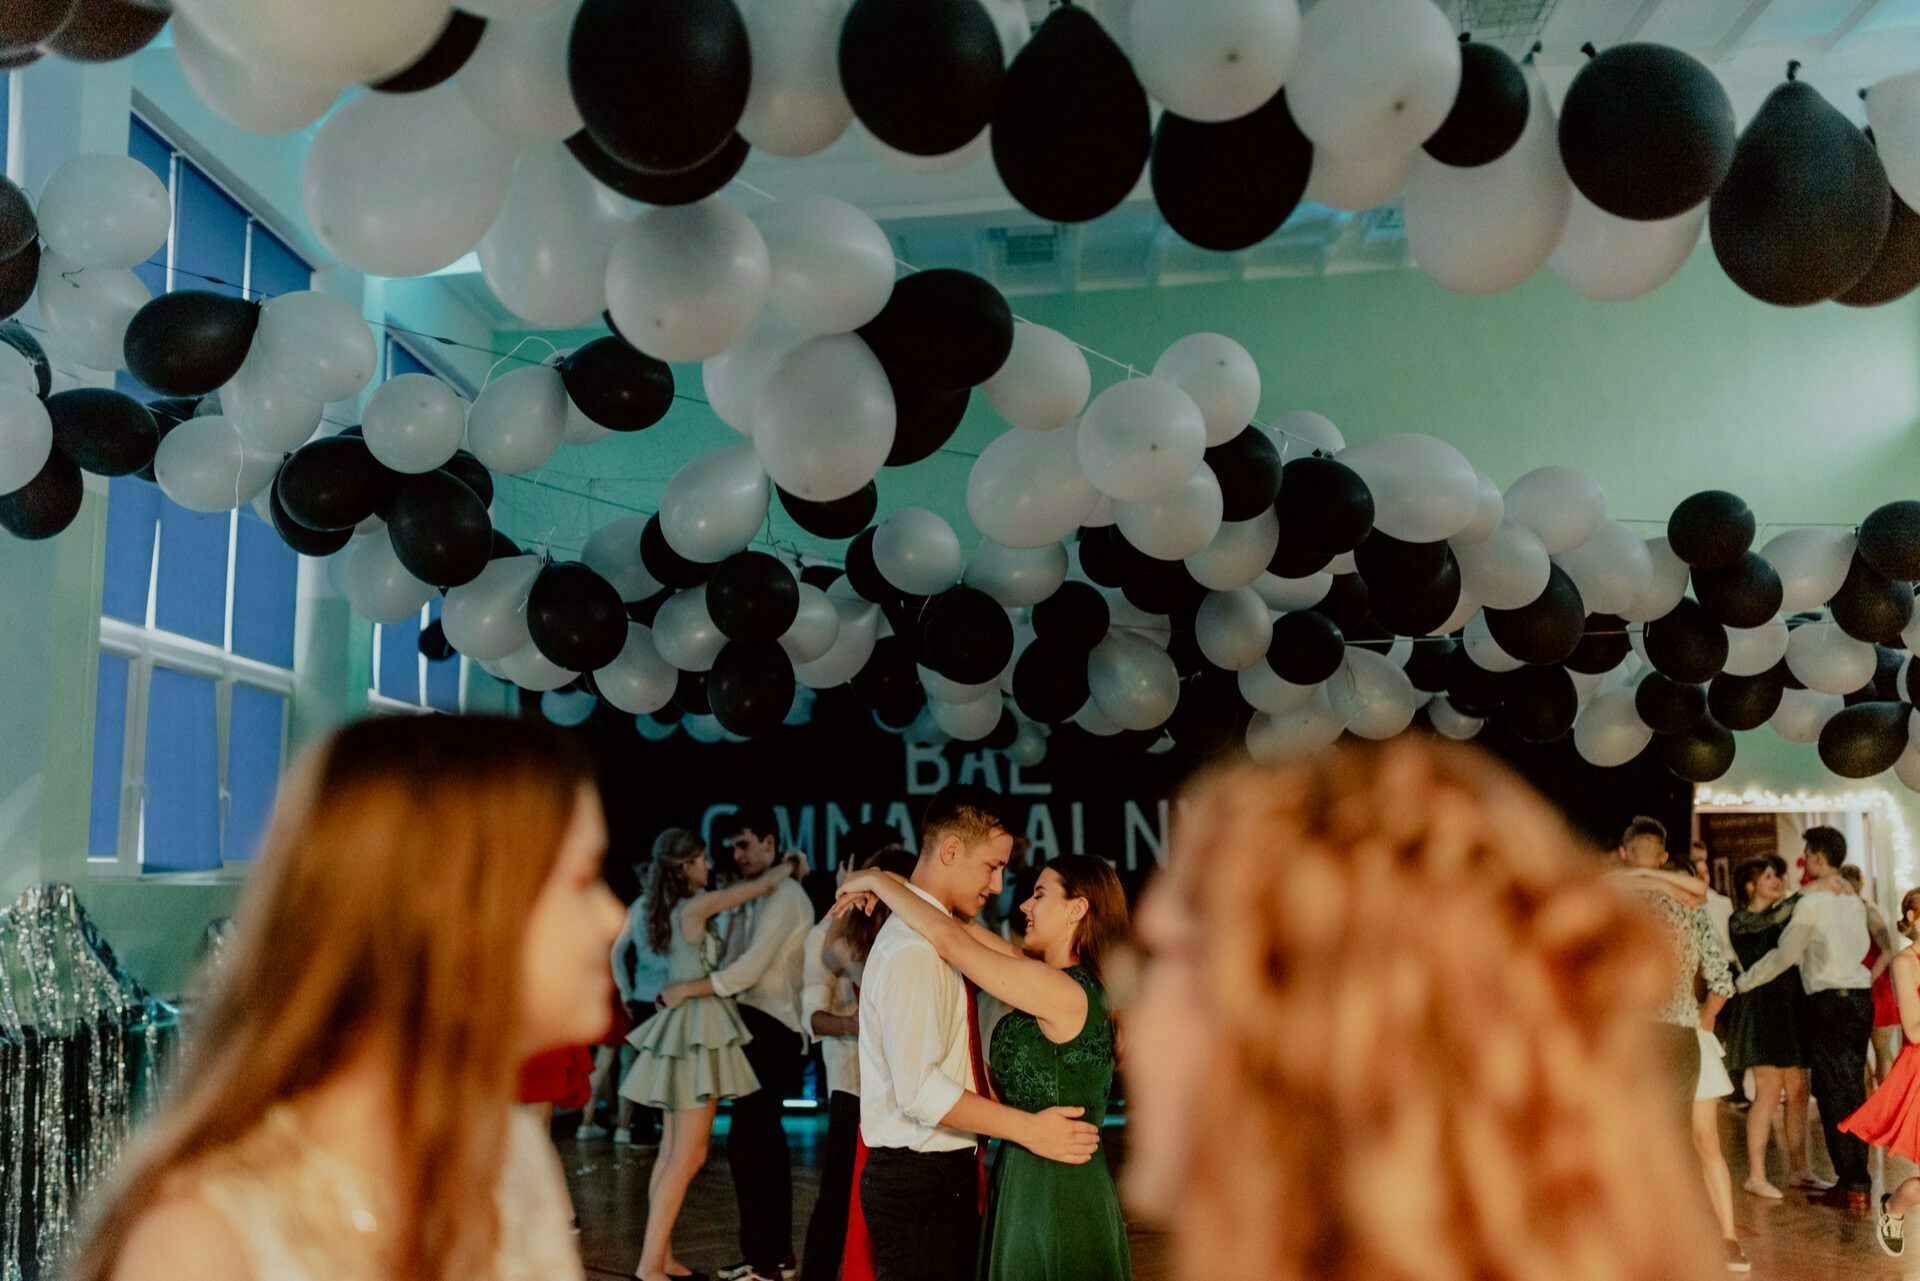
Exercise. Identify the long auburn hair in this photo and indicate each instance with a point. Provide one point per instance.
(860, 929)
(396, 880)
(1440, 1007)
(674, 850)
(1106, 927)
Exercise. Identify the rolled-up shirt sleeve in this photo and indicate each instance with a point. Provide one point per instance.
(915, 1037)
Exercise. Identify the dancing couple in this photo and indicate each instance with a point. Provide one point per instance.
(928, 1101)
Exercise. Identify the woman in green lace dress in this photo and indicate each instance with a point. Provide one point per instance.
(1045, 1221)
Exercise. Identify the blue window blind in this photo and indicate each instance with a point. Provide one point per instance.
(443, 676)
(109, 756)
(400, 660)
(209, 237)
(133, 517)
(151, 150)
(264, 578)
(192, 577)
(182, 816)
(254, 736)
(275, 269)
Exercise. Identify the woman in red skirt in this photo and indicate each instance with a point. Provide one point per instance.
(1891, 1117)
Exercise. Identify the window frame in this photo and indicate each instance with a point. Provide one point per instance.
(385, 704)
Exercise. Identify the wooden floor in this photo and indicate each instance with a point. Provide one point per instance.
(1788, 1240)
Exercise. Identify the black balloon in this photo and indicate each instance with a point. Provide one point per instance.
(841, 518)
(1699, 754)
(1347, 603)
(1744, 702)
(106, 31)
(19, 274)
(1687, 644)
(923, 421)
(1546, 631)
(753, 597)
(18, 226)
(1174, 592)
(1110, 560)
(967, 635)
(576, 618)
(1430, 662)
(1292, 559)
(668, 567)
(681, 187)
(889, 677)
(751, 687)
(1603, 645)
(1072, 127)
(1896, 268)
(1870, 606)
(1323, 505)
(28, 22)
(1004, 731)
(472, 473)
(1890, 540)
(439, 530)
(1646, 131)
(1864, 740)
(1806, 207)
(1712, 529)
(17, 336)
(1540, 703)
(923, 76)
(190, 342)
(307, 542)
(1489, 112)
(1211, 717)
(821, 576)
(1471, 688)
(1050, 680)
(1228, 186)
(333, 483)
(690, 694)
(46, 504)
(1389, 563)
(446, 55)
(645, 611)
(944, 328)
(1746, 593)
(503, 547)
(616, 386)
(864, 576)
(434, 646)
(1248, 469)
(1417, 609)
(662, 83)
(1668, 706)
(104, 432)
(1306, 648)
(1076, 616)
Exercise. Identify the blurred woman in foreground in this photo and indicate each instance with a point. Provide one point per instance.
(1396, 1027)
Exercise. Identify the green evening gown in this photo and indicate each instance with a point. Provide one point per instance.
(1046, 1221)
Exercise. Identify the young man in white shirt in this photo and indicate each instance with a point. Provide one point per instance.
(1827, 939)
(923, 1106)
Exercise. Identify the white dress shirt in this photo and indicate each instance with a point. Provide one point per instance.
(915, 1056)
(1720, 912)
(649, 968)
(766, 972)
(824, 992)
(1826, 938)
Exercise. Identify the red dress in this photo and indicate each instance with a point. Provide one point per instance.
(563, 1078)
(856, 1258)
(1890, 1118)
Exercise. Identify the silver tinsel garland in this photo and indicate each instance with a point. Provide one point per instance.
(69, 1014)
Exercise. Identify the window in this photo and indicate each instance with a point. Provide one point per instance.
(197, 611)
(6, 114)
(403, 678)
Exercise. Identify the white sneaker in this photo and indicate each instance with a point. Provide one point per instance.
(623, 1136)
(590, 1131)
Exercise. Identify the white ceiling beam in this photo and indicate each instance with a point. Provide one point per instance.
(1737, 33)
(1157, 254)
(1641, 17)
(1853, 26)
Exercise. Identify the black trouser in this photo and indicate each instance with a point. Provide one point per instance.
(1838, 1027)
(757, 1146)
(827, 1230)
(923, 1213)
(1679, 1051)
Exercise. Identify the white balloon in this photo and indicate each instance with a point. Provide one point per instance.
(795, 105)
(1177, 524)
(508, 8)
(1484, 650)
(1486, 517)
(1124, 614)
(414, 423)
(1301, 430)
(971, 152)
(1450, 722)
(824, 423)
(1827, 660)
(1423, 489)
(1311, 727)
(351, 41)
(1045, 381)
(1220, 376)
(1611, 259)
(1266, 692)
(968, 721)
(1132, 681)
(1293, 593)
(404, 184)
(104, 211)
(1611, 569)
(705, 729)
(1103, 512)
(734, 379)
(268, 412)
(639, 680)
(205, 465)
(1609, 731)
(1563, 505)
(686, 282)
(1213, 60)
(1506, 570)
(816, 626)
(528, 668)
(859, 630)
(518, 419)
(316, 344)
(256, 96)
(1893, 111)
(1468, 606)
(17, 371)
(515, 80)
(1234, 629)
(582, 430)
(1907, 768)
(87, 309)
(1354, 184)
(1027, 489)
(1096, 722)
(952, 691)
(487, 618)
(830, 266)
(918, 552)
(1239, 553)
(1141, 439)
(377, 585)
(1372, 695)
(1666, 585)
(567, 707)
(545, 256)
(715, 504)
(684, 631)
(1803, 713)
(1375, 77)
(613, 552)
(1015, 576)
(26, 437)
(1812, 564)
(1753, 650)
(1029, 746)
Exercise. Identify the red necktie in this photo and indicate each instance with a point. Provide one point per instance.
(979, 1080)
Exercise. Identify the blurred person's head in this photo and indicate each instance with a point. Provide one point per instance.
(1077, 910)
(1644, 843)
(1852, 876)
(1388, 987)
(752, 836)
(1910, 914)
(426, 915)
(860, 929)
(964, 847)
(861, 843)
(1825, 851)
(678, 870)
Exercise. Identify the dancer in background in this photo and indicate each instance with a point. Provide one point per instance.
(1886, 1012)
(1711, 1083)
(347, 1109)
(1891, 1118)
(1763, 1027)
